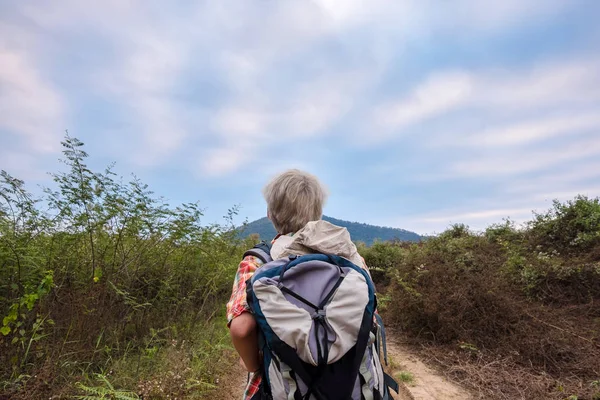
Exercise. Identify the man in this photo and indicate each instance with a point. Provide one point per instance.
(294, 205)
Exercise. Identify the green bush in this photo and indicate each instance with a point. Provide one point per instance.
(95, 268)
(505, 233)
(381, 257)
(571, 227)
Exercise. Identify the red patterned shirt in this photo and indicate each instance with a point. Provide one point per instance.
(237, 303)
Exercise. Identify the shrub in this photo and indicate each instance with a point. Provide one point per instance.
(98, 267)
(381, 258)
(571, 227)
(524, 298)
(505, 233)
(450, 289)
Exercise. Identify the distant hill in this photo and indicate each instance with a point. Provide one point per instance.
(358, 231)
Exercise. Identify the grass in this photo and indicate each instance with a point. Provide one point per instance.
(405, 377)
(398, 370)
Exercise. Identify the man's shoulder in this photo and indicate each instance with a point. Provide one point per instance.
(252, 260)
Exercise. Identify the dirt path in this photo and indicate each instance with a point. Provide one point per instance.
(232, 384)
(417, 381)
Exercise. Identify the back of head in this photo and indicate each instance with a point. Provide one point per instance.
(294, 198)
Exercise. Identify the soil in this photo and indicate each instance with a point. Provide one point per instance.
(233, 382)
(422, 382)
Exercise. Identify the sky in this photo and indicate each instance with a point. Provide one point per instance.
(414, 114)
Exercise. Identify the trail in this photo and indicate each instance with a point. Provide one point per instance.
(232, 383)
(426, 383)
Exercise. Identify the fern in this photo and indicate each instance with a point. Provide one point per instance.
(105, 392)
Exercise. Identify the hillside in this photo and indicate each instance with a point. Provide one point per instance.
(358, 231)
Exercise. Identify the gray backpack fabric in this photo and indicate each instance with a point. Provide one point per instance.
(316, 318)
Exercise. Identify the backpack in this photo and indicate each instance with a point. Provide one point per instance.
(316, 320)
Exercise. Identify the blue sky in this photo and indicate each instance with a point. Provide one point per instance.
(415, 114)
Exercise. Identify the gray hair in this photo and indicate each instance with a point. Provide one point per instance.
(294, 198)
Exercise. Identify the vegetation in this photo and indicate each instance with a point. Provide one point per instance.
(108, 292)
(365, 233)
(405, 377)
(512, 313)
(105, 288)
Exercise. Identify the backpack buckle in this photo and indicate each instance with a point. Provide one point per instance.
(318, 315)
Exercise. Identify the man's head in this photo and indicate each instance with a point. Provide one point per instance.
(294, 198)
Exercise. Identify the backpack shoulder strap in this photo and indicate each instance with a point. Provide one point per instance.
(381, 334)
(389, 382)
(262, 250)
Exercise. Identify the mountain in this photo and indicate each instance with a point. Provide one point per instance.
(358, 231)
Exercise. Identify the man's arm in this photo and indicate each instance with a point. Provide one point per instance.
(242, 326)
(245, 340)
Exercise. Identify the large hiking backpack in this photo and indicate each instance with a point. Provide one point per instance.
(316, 318)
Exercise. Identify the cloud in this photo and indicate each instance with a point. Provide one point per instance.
(506, 196)
(564, 180)
(153, 50)
(476, 218)
(547, 84)
(440, 93)
(526, 160)
(325, 99)
(496, 123)
(590, 191)
(240, 122)
(429, 16)
(32, 109)
(224, 160)
(503, 15)
(131, 62)
(23, 164)
(143, 81)
(531, 131)
(487, 100)
(479, 215)
(305, 111)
